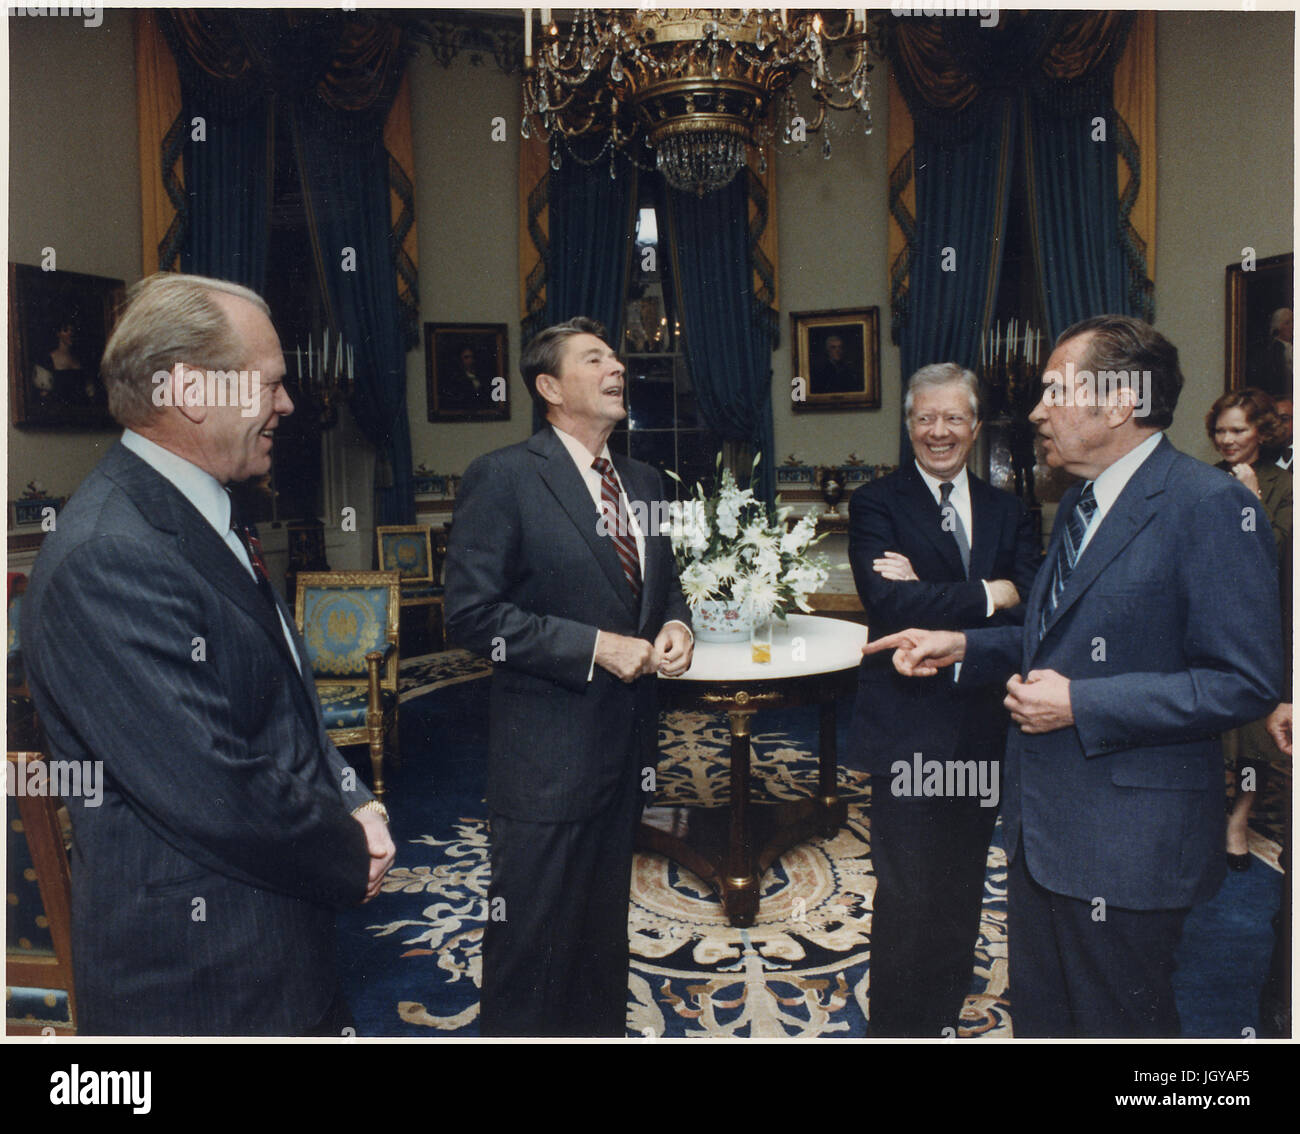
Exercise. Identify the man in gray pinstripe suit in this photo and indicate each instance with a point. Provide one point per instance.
(230, 828)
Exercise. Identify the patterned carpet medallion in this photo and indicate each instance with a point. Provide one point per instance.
(800, 970)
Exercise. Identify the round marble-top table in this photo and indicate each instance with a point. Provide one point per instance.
(814, 661)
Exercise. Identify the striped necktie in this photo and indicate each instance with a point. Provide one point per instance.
(618, 523)
(946, 508)
(1067, 555)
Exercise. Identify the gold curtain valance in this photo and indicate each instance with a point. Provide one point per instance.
(928, 64)
(233, 59)
(947, 68)
(1085, 43)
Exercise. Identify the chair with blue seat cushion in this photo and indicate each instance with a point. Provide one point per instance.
(39, 992)
(350, 622)
(408, 549)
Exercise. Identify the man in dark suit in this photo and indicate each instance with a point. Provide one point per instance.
(932, 545)
(205, 881)
(558, 571)
(1152, 628)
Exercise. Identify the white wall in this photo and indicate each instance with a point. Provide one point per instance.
(834, 250)
(74, 186)
(465, 203)
(1225, 95)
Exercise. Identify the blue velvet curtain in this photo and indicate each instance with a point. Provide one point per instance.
(1072, 178)
(590, 232)
(227, 187)
(729, 333)
(962, 191)
(345, 179)
(336, 80)
(967, 88)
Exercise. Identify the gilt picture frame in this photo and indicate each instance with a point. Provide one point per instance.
(59, 323)
(466, 375)
(1257, 339)
(836, 359)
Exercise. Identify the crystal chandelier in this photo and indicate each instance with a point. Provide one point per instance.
(695, 87)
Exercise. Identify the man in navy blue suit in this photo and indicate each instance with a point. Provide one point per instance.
(558, 572)
(205, 881)
(932, 545)
(1151, 629)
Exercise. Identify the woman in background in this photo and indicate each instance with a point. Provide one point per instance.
(1244, 426)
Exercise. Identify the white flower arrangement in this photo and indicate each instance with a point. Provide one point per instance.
(731, 547)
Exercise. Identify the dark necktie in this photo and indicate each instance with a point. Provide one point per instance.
(619, 525)
(1067, 555)
(948, 509)
(253, 549)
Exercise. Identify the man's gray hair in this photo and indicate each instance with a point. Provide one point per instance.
(943, 374)
(169, 318)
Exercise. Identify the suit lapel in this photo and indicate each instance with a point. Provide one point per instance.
(561, 476)
(920, 501)
(984, 521)
(1034, 605)
(167, 509)
(1135, 507)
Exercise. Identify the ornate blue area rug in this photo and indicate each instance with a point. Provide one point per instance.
(800, 970)
(411, 957)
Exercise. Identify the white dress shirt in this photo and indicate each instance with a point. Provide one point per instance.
(1107, 487)
(591, 478)
(202, 490)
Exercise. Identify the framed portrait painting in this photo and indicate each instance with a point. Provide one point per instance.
(837, 356)
(465, 371)
(58, 325)
(1259, 331)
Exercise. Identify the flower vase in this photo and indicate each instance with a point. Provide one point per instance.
(720, 620)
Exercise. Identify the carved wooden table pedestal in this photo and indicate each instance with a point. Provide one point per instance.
(730, 848)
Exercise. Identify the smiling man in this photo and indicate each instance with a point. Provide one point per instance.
(1151, 629)
(932, 545)
(230, 830)
(549, 575)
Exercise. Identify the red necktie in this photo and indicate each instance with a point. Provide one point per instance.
(619, 522)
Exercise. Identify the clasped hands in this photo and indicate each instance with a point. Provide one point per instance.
(1038, 703)
(628, 658)
(379, 843)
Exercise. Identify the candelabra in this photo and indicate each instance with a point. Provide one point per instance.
(327, 378)
(1010, 357)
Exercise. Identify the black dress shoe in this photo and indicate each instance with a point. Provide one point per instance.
(1238, 862)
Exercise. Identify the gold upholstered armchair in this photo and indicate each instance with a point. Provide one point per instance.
(350, 621)
(409, 550)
